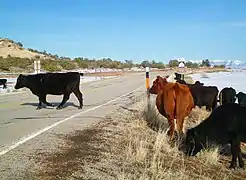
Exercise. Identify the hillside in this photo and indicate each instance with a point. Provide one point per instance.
(15, 58)
(16, 49)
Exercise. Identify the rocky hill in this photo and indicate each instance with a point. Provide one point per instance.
(15, 49)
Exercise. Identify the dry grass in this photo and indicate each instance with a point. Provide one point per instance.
(123, 146)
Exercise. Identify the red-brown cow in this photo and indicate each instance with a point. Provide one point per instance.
(173, 101)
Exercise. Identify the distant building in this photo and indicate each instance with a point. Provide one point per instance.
(181, 65)
(181, 62)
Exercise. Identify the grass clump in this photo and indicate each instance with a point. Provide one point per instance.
(123, 146)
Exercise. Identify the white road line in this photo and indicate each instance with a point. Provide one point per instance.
(25, 139)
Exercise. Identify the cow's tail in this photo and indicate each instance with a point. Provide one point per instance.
(215, 102)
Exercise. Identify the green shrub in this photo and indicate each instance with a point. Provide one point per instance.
(67, 64)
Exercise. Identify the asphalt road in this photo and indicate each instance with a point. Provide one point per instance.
(23, 128)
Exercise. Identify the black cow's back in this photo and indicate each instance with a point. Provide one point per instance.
(58, 83)
(204, 95)
(226, 119)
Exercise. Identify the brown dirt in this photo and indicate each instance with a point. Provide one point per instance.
(102, 152)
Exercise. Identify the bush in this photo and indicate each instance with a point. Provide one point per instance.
(51, 67)
(67, 64)
(173, 63)
(191, 65)
(6, 63)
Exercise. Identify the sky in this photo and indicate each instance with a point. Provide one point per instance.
(129, 29)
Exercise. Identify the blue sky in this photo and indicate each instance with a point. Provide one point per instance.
(134, 30)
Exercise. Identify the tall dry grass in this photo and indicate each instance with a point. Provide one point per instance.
(131, 143)
(139, 152)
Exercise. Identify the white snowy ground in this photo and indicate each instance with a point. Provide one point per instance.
(235, 79)
(11, 82)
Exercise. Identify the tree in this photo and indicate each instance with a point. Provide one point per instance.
(159, 65)
(67, 64)
(19, 44)
(128, 64)
(219, 66)
(191, 65)
(173, 63)
(145, 63)
(205, 63)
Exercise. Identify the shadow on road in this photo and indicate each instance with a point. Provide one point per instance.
(67, 104)
(55, 104)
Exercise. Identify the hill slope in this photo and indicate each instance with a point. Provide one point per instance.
(16, 49)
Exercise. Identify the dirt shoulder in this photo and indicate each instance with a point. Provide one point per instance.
(126, 146)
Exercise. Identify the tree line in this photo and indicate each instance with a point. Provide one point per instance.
(17, 64)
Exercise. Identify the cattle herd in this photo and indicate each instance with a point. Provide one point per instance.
(226, 123)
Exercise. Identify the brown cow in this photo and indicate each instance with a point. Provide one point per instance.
(173, 101)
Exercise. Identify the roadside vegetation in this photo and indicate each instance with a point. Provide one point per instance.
(51, 62)
(131, 143)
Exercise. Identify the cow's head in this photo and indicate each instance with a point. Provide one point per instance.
(240, 94)
(21, 82)
(158, 84)
(177, 76)
(199, 83)
(193, 144)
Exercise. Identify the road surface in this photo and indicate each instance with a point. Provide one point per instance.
(24, 129)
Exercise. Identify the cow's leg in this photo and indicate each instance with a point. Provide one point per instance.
(39, 104)
(64, 100)
(79, 95)
(171, 130)
(180, 125)
(240, 159)
(45, 102)
(4, 86)
(235, 150)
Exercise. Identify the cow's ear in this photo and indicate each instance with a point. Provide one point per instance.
(20, 76)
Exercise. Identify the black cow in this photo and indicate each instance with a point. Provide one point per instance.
(202, 95)
(4, 83)
(205, 96)
(241, 98)
(226, 124)
(179, 76)
(227, 95)
(181, 81)
(52, 83)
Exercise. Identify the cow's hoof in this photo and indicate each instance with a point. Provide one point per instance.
(232, 166)
(79, 107)
(58, 107)
(38, 108)
(241, 165)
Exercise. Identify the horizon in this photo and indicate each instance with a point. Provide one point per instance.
(128, 30)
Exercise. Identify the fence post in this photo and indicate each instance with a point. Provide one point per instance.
(147, 86)
(38, 66)
(35, 67)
